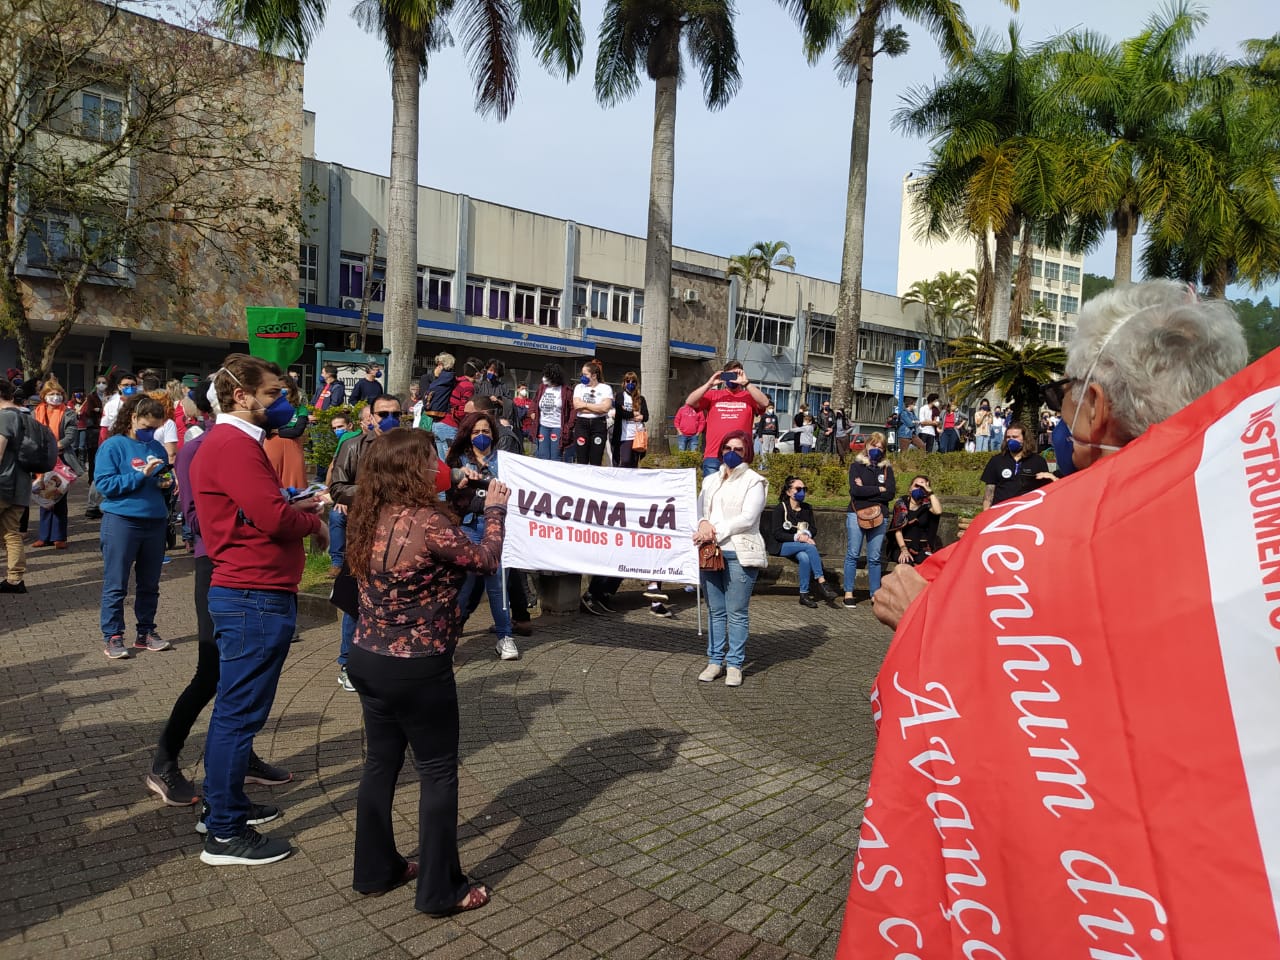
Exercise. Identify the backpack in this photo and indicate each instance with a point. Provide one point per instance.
(687, 421)
(37, 447)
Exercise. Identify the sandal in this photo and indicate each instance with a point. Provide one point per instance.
(477, 896)
(410, 874)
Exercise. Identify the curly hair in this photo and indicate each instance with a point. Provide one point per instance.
(398, 469)
(462, 442)
(139, 405)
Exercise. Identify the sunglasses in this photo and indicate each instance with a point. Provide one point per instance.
(387, 413)
(736, 449)
(799, 490)
(1052, 393)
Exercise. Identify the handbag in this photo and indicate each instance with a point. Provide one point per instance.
(345, 594)
(870, 517)
(640, 442)
(710, 557)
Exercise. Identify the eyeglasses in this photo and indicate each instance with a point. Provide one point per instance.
(387, 413)
(798, 490)
(1052, 393)
(737, 449)
(485, 432)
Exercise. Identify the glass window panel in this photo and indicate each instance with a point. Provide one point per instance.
(549, 308)
(1071, 274)
(621, 306)
(1050, 300)
(1037, 267)
(579, 299)
(1051, 270)
(475, 297)
(637, 307)
(1070, 304)
(600, 303)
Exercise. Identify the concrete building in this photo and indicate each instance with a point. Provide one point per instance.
(1055, 273)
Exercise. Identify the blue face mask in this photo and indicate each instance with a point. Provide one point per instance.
(387, 424)
(338, 431)
(378, 375)
(1015, 446)
(586, 381)
(128, 391)
(917, 493)
(731, 459)
(279, 413)
(875, 454)
(491, 377)
(1063, 448)
(798, 496)
(631, 387)
(482, 442)
(144, 435)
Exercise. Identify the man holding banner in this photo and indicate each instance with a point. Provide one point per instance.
(1044, 714)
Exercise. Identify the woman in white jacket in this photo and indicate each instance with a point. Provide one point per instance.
(730, 506)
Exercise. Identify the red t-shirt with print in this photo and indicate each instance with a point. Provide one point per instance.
(727, 411)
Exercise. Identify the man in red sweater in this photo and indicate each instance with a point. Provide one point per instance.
(254, 538)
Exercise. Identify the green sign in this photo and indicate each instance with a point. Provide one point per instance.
(277, 334)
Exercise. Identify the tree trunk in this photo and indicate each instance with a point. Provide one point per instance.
(1217, 277)
(400, 309)
(655, 345)
(849, 308)
(1126, 229)
(982, 289)
(1001, 278)
(1021, 303)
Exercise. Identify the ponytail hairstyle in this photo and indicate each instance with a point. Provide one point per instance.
(786, 485)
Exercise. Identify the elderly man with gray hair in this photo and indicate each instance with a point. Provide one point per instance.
(1139, 355)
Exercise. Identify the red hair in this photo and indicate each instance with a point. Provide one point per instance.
(747, 442)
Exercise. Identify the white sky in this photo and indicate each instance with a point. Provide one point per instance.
(773, 165)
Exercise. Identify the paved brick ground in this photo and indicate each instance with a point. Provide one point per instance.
(619, 808)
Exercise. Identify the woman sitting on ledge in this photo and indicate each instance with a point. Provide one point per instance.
(793, 529)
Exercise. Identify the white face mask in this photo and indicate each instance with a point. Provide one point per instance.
(54, 399)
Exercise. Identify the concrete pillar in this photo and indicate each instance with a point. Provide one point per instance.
(559, 594)
(462, 261)
(333, 237)
(570, 270)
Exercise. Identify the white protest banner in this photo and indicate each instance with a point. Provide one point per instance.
(600, 520)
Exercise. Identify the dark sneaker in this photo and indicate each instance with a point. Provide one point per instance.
(264, 773)
(592, 605)
(850, 603)
(8, 586)
(259, 813)
(115, 649)
(250, 849)
(655, 593)
(603, 606)
(806, 600)
(151, 641)
(172, 787)
(659, 610)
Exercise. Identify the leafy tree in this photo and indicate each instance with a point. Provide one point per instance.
(1092, 285)
(772, 254)
(490, 31)
(646, 35)
(861, 30)
(132, 151)
(948, 301)
(1261, 322)
(977, 368)
(747, 268)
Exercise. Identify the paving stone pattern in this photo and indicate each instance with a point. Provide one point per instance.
(617, 807)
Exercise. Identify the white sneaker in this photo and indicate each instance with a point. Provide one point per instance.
(507, 649)
(712, 671)
(733, 677)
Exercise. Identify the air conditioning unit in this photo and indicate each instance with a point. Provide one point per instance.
(690, 295)
(579, 322)
(350, 303)
(779, 350)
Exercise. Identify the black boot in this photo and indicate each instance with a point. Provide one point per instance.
(827, 593)
(806, 600)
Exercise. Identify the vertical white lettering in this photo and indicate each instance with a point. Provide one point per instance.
(866, 844)
(1029, 719)
(970, 856)
(890, 922)
(958, 908)
(1111, 886)
(1018, 591)
(1002, 524)
(961, 820)
(1033, 644)
(1010, 558)
(935, 756)
(939, 711)
(1076, 779)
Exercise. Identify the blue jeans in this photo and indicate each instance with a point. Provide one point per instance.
(982, 444)
(806, 554)
(709, 466)
(688, 443)
(444, 435)
(949, 442)
(53, 523)
(875, 546)
(492, 584)
(337, 537)
(253, 629)
(137, 545)
(728, 594)
(547, 445)
(348, 635)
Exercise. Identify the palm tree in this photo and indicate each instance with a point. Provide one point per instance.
(977, 368)
(1129, 100)
(772, 254)
(861, 30)
(747, 268)
(646, 34)
(413, 29)
(995, 164)
(1224, 224)
(948, 301)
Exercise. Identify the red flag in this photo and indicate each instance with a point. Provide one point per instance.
(1079, 750)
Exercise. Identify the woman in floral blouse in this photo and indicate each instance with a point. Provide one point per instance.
(411, 558)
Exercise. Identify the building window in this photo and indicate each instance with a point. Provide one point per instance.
(549, 308)
(1051, 269)
(637, 308)
(351, 278)
(308, 273)
(474, 306)
(1069, 304)
(817, 398)
(101, 116)
(599, 303)
(439, 289)
(1016, 260)
(1037, 267)
(822, 339)
(1070, 274)
(779, 396)
(603, 301)
(580, 300)
(621, 306)
(1050, 300)
(766, 328)
(526, 305)
(499, 302)
(56, 238)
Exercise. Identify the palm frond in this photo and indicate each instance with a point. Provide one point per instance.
(278, 26)
(490, 39)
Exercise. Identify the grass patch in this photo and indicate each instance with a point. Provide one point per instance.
(315, 577)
